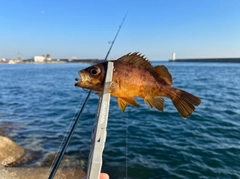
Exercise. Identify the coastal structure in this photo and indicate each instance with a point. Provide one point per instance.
(11, 61)
(2, 59)
(173, 56)
(42, 60)
(38, 59)
(223, 60)
(230, 60)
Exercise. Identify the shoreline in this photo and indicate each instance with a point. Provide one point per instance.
(59, 61)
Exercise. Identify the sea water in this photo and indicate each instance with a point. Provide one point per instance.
(39, 102)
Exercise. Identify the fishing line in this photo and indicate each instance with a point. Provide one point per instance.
(68, 129)
(66, 141)
(125, 118)
(126, 172)
(120, 169)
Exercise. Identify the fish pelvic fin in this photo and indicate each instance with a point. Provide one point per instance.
(156, 102)
(163, 74)
(124, 101)
(185, 102)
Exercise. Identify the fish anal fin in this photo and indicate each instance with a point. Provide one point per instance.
(136, 59)
(162, 73)
(124, 101)
(156, 102)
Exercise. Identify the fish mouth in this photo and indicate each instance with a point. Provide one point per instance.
(79, 80)
(83, 79)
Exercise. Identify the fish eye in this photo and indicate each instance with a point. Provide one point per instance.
(95, 70)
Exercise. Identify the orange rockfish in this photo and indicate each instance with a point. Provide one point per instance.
(134, 76)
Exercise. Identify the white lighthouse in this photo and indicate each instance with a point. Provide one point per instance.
(173, 56)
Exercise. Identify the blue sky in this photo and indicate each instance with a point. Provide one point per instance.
(156, 28)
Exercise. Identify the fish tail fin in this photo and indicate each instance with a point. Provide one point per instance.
(185, 102)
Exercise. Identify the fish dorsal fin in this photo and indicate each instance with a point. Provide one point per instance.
(163, 74)
(136, 59)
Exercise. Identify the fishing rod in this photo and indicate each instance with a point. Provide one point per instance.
(65, 145)
(116, 36)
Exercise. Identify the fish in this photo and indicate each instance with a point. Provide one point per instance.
(135, 77)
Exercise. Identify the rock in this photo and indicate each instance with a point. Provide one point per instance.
(10, 152)
(2, 131)
(10, 128)
(40, 173)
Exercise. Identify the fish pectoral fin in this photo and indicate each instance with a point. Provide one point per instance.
(124, 101)
(163, 74)
(112, 87)
(157, 102)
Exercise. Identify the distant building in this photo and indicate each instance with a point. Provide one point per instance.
(48, 58)
(73, 58)
(3, 59)
(11, 61)
(39, 59)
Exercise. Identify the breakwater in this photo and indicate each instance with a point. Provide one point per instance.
(91, 61)
(223, 60)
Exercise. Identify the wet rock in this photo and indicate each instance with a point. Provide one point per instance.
(30, 158)
(2, 131)
(67, 161)
(10, 129)
(10, 152)
(40, 173)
